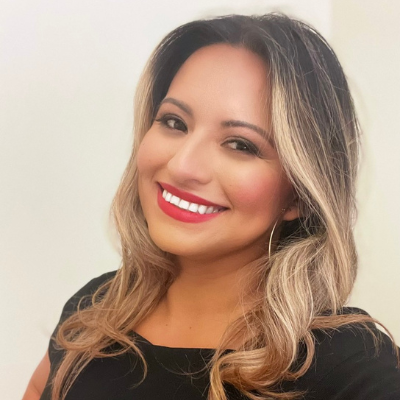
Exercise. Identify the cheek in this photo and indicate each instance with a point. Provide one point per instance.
(150, 154)
(143, 158)
(257, 191)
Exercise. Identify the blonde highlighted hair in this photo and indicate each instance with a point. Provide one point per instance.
(305, 283)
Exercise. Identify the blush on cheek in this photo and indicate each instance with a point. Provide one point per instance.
(257, 191)
(147, 155)
(142, 155)
(153, 152)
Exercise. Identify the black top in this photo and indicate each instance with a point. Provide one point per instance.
(345, 367)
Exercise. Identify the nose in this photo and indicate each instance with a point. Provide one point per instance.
(191, 160)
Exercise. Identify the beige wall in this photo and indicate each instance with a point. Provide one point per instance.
(366, 36)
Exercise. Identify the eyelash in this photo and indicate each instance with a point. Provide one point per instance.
(163, 120)
(250, 148)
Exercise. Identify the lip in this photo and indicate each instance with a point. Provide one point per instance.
(191, 198)
(180, 214)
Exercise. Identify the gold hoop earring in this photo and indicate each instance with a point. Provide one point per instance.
(272, 234)
(270, 239)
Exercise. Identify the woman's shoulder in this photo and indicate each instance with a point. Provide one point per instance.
(352, 362)
(82, 298)
(94, 284)
(347, 340)
(87, 290)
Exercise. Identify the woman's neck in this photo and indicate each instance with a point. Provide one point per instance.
(198, 307)
(199, 292)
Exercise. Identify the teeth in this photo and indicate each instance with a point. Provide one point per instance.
(193, 207)
(175, 200)
(185, 205)
(202, 209)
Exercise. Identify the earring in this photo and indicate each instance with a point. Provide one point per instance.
(270, 239)
(283, 210)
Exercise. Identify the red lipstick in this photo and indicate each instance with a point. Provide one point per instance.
(191, 198)
(180, 214)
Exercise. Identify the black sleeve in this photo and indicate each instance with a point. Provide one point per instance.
(363, 376)
(349, 365)
(71, 306)
(56, 354)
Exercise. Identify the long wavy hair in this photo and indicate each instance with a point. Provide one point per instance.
(305, 282)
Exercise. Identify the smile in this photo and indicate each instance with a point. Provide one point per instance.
(186, 207)
(192, 207)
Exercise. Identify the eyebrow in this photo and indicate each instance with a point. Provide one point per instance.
(183, 106)
(226, 124)
(242, 124)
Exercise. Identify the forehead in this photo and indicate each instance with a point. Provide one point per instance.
(225, 77)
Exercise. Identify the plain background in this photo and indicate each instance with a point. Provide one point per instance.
(67, 77)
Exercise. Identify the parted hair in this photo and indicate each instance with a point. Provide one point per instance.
(304, 283)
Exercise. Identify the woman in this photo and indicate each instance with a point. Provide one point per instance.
(235, 216)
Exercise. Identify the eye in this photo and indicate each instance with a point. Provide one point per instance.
(243, 146)
(172, 122)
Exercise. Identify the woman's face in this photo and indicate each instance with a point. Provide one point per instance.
(210, 181)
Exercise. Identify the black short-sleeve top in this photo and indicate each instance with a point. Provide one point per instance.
(346, 366)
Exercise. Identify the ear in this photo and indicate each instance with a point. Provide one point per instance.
(292, 211)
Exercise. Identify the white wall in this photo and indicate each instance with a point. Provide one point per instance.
(67, 76)
(366, 36)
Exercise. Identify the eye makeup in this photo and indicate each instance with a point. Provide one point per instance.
(242, 145)
(236, 143)
(171, 121)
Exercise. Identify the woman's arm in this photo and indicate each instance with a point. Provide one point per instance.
(38, 381)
